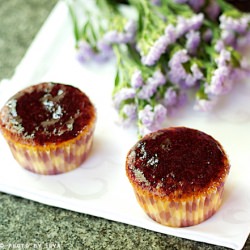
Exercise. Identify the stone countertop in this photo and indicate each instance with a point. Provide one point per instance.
(25, 224)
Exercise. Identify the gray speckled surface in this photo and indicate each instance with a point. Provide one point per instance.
(25, 224)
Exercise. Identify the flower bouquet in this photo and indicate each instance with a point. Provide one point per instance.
(166, 50)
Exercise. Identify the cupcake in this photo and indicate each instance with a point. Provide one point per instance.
(49, 127)
(178, 175)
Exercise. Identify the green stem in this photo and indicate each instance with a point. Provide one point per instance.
(224, 5)
(75, 24)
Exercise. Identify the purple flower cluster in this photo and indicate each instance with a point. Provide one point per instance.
(127, 35)
(127, 99)
(223, 58)
(205, 105)
(233, 29)
(223, 78)
(149, 88)
(128, 114)
(210, 7)
(151, 118)
(238, 25)
(102, 50)
(160, 58)
(212, 10)
(123, 95)
(159, 47)
(185, 25)
(177, 73)
(156, 2)
(181, 1)
(87, 53)
(193, 41)
(194, 4)
(220, 83)
(173, 99)
(243, 42)
(170, 97)
(137, 79)
(207, 35)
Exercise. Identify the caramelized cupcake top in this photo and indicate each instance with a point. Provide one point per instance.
(47, 113)
(177, 162)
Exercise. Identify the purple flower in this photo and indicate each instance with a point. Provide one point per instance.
(103, 46)
(159, 47)
(182, 99)
(173, 100)
(170, 33)
(147, 91)
(178, 58)
(146, 115)
(157, 79)
(155, 52)
(178, 74)
(234, 29)
(151, 119)
(212, 10)
(186, 24)
(84, 52)
(229, 37)
(136, 79)
(207, 35)
(193, 41)
(219, 45)
(219, 84)
(244, 66)
(180, 1)
(224, 58)
(170, 97)
(156, 2)
(125, 36)
(160, 115)
(111, 36)
(196, 5)
(195, 76)
(105, 51)
(238, 25)
(243, 41)
(122, 95)
(205, 105)
(151, 85)
(129, 31)
(129, 112)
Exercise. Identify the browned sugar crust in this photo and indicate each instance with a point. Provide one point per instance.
(47, 113)
(177, 162)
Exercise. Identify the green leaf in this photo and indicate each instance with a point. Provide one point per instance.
(75, 23)
(117, 78)
(93, 33)
(234, 13)
(187, 67)
(200, 94)
(235, 58)
(84, 30)
(225, 6)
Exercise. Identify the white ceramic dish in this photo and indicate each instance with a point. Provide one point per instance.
(99, 187)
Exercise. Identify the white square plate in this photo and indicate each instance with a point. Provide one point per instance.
(100, 187)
